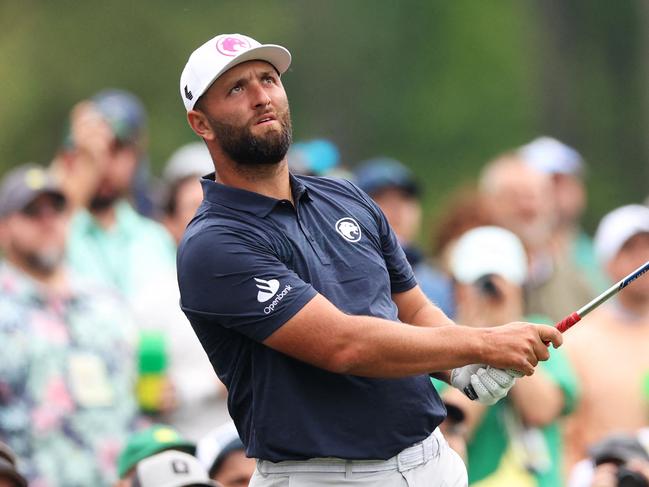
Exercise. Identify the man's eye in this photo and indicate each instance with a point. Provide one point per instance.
(236, 89)
(269, 79)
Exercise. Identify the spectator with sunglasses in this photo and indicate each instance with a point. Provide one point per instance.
(66, 366)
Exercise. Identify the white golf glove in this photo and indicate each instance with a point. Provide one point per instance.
(487, 384)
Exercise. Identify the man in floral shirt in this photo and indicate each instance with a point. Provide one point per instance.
(66, 359)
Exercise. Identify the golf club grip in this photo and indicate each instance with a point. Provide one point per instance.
(568, 321)
(562, 326)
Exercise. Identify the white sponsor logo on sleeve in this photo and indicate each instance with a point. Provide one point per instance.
(268, 289)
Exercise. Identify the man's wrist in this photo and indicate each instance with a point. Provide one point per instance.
(443, 375)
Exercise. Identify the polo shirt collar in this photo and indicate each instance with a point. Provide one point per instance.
(248, 201)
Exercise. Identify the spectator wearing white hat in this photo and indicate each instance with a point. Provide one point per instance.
(183, 194)
(516, 440)
(609, 350)
(171, 468)
(567, 170)
(222, 453)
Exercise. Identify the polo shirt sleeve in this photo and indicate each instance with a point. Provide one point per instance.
(235, 280)
(402, 277)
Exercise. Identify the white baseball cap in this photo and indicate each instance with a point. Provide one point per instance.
(550, 156)
(191, 159)
(221, 53)
(171, 468)
(617, 227)
(488, 250)
(213, 444)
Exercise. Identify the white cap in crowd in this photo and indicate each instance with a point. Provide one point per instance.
(171, 468)
(488, 250)
(221, 53)
(191, 159)
(210, 448)
(550, 156)
(617, 227)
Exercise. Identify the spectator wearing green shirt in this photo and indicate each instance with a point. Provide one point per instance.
(516, 442)
(109, 240)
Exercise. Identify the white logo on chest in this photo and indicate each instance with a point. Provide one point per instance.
(349, 229)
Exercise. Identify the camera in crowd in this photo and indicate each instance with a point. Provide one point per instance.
(619, 450)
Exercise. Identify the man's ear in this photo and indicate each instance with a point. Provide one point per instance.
(200, 125)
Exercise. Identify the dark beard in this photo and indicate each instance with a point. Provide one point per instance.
(240, 145)
(99, 203)
(44, 263)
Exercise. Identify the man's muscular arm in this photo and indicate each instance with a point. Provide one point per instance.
(416, 309)
(325, 337)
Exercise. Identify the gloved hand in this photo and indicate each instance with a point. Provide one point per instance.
(485, 383)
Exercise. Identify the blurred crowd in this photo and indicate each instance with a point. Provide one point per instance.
(103, 381)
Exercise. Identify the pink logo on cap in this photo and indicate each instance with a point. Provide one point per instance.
(231, 45)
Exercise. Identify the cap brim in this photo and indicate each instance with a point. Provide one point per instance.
(54, 192)
(276, 55)
(125, 466)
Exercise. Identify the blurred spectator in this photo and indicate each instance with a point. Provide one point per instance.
(222, 453)
(317, 157)
(171, 469)
(145, 443)
(518, 197)
(565, 167)
(393, 187)
(463, 210)
(109, 240)
(617, 460)
(198, 393)
(183, 193)
(9, 474)
(517, 441)
(609, 350)
(66, 368)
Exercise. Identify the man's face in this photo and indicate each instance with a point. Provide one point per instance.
(35, 237)
(115, 180)
(521, 201)
(402, 210)
(188, 198)
(570, 195)
(247, 110)
(236, 470)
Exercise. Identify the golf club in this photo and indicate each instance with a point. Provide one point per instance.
(572, 319)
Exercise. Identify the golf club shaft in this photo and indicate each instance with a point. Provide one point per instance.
(575, 317)
(570, 320)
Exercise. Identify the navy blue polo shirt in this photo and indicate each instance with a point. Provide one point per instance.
(246, 265)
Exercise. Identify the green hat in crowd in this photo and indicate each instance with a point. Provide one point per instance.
(150, 441)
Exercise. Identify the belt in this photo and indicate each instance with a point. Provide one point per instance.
(411, 457)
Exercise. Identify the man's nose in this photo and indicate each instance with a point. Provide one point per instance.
(260, 97)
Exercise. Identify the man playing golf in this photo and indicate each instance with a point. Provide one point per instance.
(307, 307)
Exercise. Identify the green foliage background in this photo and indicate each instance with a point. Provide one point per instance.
(442, 85)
